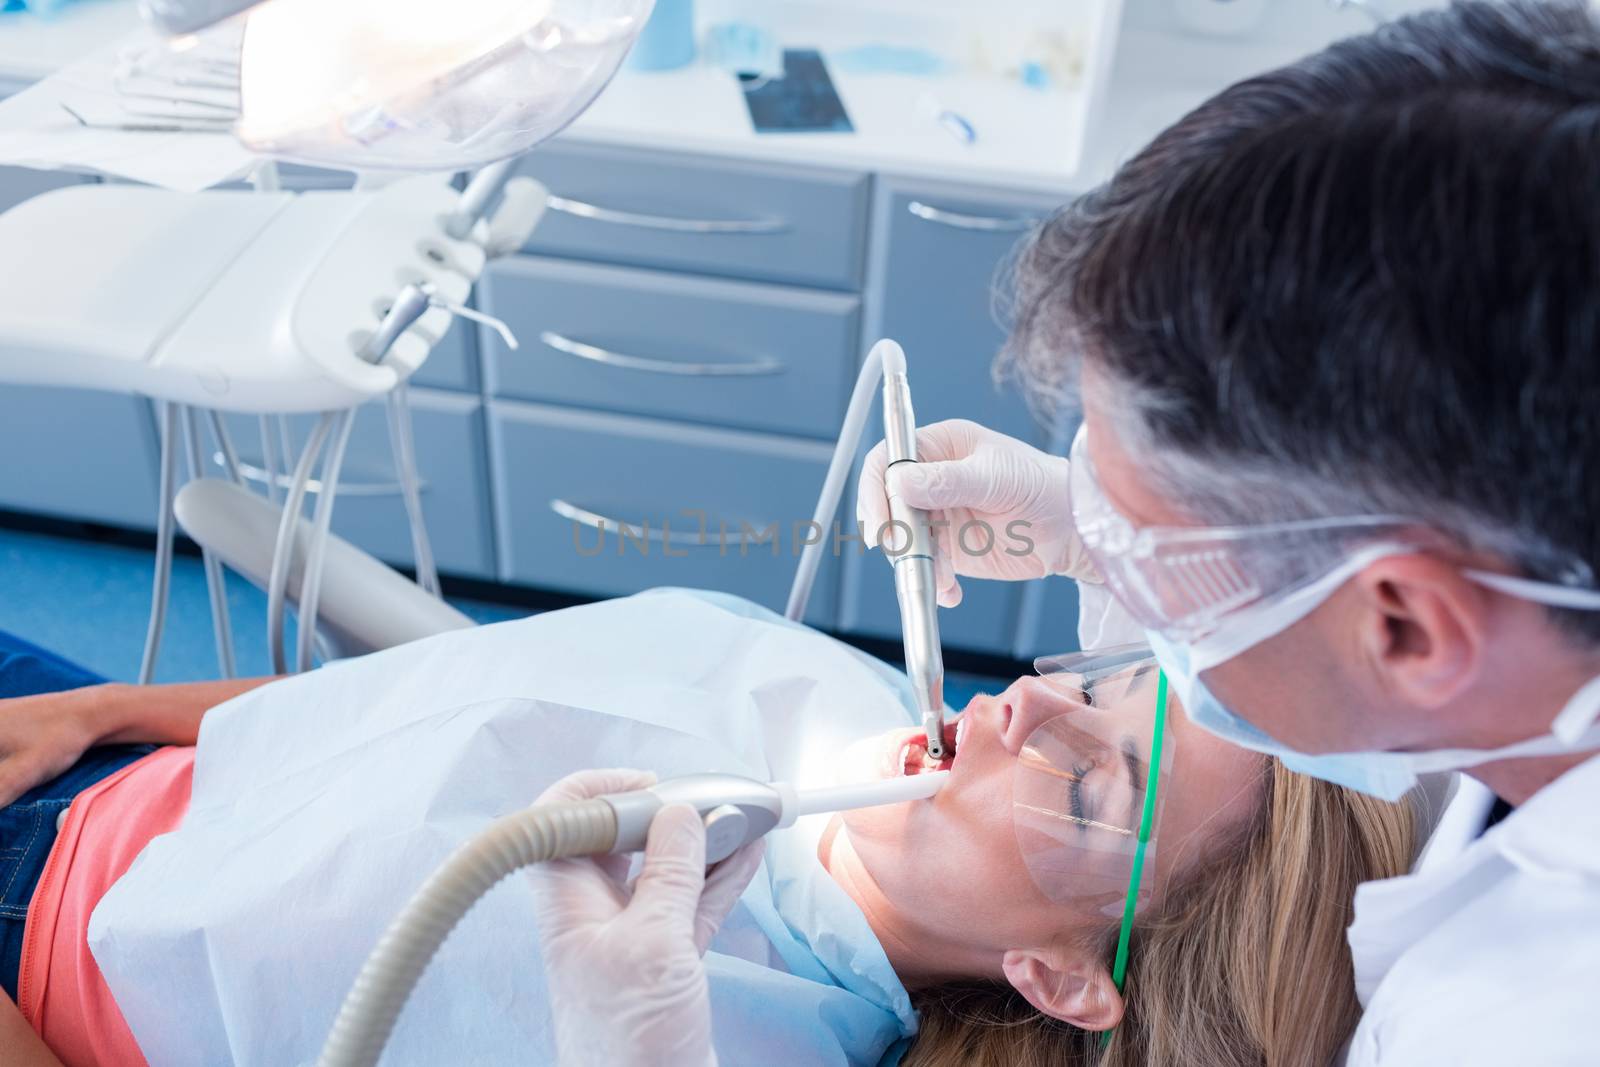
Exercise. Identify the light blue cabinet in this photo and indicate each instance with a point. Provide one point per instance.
(741, 354)
(1049, 622)
(72, 453)
(937, 256)
(453, 363)
(77, 454)
(705, 215)
(611, 504)
(451, 461)
(690, 328)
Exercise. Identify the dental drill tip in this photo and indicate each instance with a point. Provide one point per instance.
(933, 726)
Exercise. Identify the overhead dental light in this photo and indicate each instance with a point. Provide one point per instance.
(410, 84)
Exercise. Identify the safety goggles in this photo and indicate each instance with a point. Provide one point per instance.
(1086, 802)
(1180, 581)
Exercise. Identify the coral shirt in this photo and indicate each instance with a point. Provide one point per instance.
(60, 990)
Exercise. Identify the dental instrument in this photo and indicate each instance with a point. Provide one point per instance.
(913, 565)
(194, 124)
(914, 584)
(736, 811)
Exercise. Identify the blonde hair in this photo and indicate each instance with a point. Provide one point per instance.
(1246, 963)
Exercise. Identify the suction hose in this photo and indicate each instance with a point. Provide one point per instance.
(534, 835)
(736, 811)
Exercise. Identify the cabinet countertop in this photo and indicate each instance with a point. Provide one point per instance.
(700, 109)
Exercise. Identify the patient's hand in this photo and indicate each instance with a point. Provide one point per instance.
(41, 736)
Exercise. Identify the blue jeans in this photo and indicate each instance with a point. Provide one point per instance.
(28, 825)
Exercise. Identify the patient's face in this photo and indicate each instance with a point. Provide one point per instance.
(944, 882)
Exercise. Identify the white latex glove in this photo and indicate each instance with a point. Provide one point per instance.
(969, 473)
(623, 965)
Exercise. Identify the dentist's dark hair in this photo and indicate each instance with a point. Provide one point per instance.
(1368, 282)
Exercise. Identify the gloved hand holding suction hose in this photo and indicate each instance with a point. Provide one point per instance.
(626, 979)
(967, 474)
(623, 963)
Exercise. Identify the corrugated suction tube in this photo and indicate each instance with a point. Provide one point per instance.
(619, 822)
(380, 992)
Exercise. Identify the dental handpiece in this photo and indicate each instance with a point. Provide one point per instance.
(738, 810)
(913, 564)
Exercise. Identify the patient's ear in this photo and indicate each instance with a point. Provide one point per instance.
(1065, 987)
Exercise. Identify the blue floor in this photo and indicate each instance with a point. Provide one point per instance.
(90, 602)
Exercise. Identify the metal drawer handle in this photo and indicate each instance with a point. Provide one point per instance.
(251, 473)
(597, 213)
(560, 343)
(595, 521)
(989, 223)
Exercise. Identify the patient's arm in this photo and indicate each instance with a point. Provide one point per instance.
(43, 735)
(161, 714)
(19, 1045)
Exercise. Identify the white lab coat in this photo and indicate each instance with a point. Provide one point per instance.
(1493, 956)
(1490, 952)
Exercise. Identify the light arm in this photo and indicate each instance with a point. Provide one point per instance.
(19, 1045)
(159, 714)
(44, 734)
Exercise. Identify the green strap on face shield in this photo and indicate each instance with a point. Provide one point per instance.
(1119, 969)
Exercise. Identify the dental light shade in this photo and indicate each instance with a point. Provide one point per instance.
(412, 84)
(736, 811)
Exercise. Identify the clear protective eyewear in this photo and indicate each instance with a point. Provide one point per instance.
(1086, 805)
(1180, 581)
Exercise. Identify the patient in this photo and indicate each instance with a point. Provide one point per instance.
(319, 803)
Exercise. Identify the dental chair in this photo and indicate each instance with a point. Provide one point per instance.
(365, 605)
(268, 303)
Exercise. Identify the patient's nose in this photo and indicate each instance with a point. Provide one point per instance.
(1029, 703)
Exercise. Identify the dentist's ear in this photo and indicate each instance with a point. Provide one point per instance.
(1425, 628)
(1064, 987)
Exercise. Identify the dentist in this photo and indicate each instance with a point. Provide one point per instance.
(1336, 338)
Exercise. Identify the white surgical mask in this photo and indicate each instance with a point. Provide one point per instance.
(1382, 774)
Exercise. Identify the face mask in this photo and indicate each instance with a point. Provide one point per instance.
(1382, 774)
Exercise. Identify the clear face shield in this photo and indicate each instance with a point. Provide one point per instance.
(1086, 796)
(396, 84)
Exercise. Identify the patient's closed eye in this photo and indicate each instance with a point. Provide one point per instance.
(1075, 805)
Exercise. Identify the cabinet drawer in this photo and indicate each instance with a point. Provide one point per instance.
(938, 256)
(453, 363)
(704, 214)
(370, 513)
(560, 475)
(79, 455)
(738, 354)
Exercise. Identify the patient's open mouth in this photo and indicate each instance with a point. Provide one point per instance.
(914, 758)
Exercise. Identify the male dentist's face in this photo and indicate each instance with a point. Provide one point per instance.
(1309, 686)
